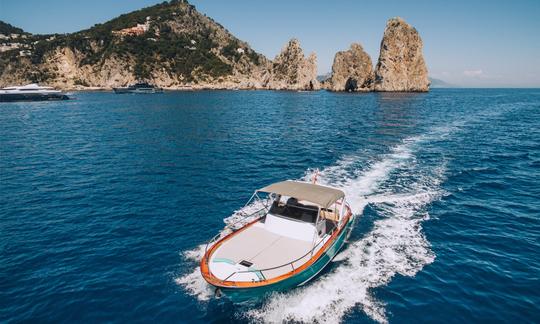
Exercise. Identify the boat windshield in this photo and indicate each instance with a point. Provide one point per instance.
(295, 210)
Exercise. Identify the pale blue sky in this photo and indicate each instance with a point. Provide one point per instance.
(468, 43)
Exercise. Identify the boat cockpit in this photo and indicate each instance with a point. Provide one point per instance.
(295, 210)
(324, 219)
(296, 221)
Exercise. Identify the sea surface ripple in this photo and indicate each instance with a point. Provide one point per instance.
(106, 202)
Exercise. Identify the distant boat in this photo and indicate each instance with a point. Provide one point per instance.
(139, 87)
(31, 92)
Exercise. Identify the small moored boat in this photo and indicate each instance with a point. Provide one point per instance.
(297, 232)
(139, 87)
(31, 92)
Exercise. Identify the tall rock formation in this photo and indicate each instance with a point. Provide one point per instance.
(352, 71)
(401, 65)
(291, 70)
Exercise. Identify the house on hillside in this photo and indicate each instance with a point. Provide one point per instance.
(137, 30)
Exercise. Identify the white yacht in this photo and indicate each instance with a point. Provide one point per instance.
(31, 92)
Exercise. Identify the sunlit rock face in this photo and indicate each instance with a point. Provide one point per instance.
(352, 70)
(170, 44)
(291, 70)
(401, 65)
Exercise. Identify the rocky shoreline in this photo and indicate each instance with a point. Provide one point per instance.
(178, 48)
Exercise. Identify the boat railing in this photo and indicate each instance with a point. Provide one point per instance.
(243, 219)
(288, 264)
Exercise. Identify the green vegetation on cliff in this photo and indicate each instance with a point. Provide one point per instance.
(7, 29)
(177, 41)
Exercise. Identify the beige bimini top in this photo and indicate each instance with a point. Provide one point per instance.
(321, 195)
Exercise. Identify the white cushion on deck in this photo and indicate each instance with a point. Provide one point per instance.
(261, 247)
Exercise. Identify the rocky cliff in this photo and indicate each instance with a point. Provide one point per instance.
(174, 46)
(401, 65)
(291, 70)
(352, 70)
(170, 44)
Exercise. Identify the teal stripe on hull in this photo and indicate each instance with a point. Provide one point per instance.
(298, 279)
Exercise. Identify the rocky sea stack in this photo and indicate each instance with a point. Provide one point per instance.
(291, 70)
(401, 65)
(352, 71)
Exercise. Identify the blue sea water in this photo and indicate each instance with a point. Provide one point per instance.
(106, 200)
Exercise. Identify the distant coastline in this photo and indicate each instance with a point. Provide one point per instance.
(175, 47)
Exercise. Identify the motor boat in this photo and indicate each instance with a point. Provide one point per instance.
(298, 230)
(31, 92)
(139, 87)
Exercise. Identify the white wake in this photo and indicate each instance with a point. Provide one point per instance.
(395, 244)
(194, 282)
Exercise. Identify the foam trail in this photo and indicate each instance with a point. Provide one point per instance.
(195, 285)
(395, 244)
(193, 282)
(358, 185)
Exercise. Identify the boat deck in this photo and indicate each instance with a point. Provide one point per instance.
(255, 249)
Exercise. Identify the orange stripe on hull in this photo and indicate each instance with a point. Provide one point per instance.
(210, 278)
